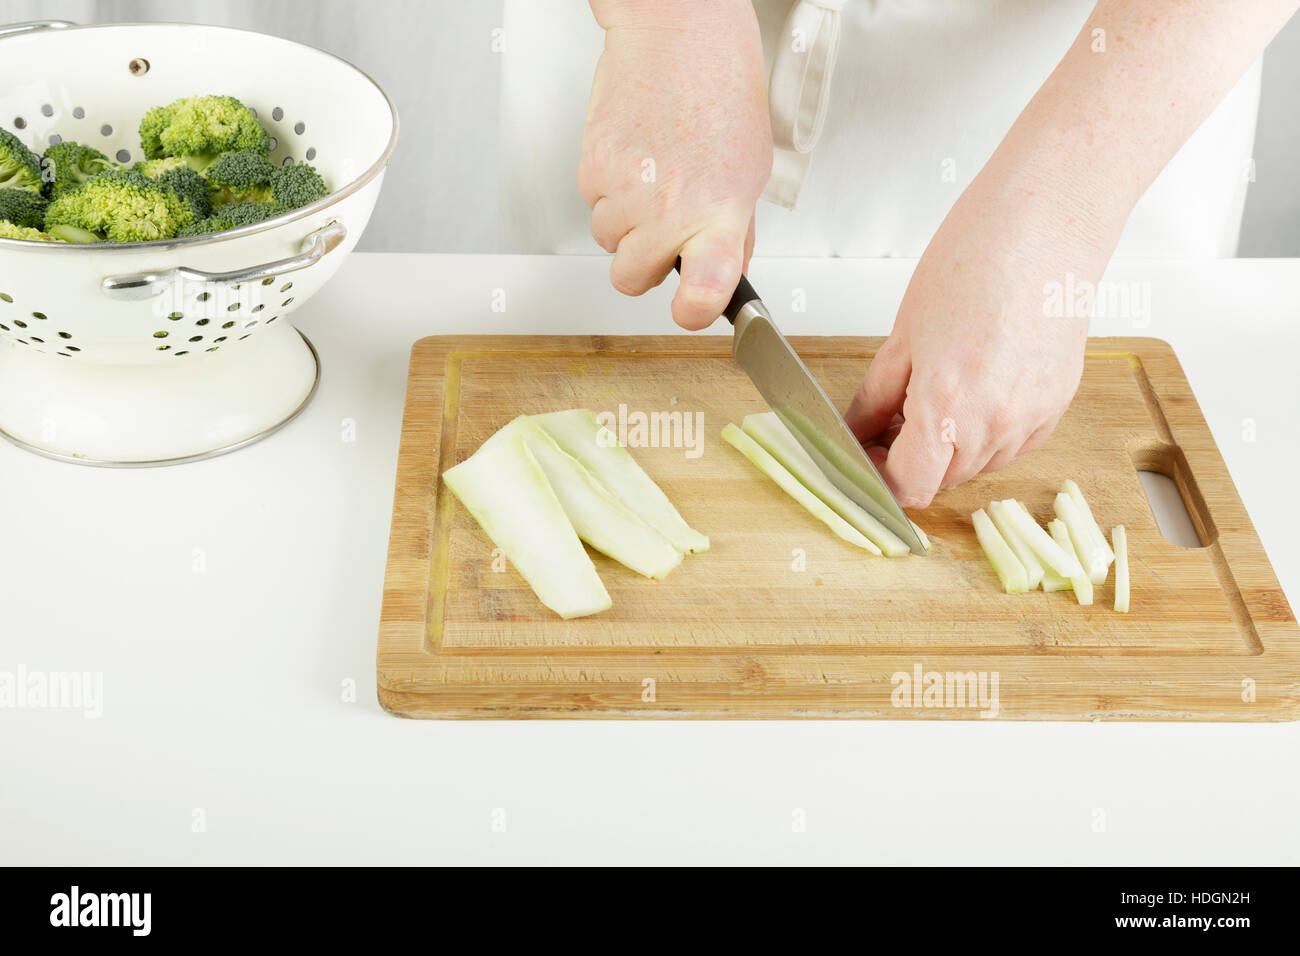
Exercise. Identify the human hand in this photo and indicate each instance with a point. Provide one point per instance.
(677, 147)
(978, 369)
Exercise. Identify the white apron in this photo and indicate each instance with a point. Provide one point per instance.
(921, 93)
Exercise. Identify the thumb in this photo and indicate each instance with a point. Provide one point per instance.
(711, 262)
(882, 392)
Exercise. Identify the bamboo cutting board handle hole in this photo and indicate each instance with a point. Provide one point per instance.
(1175, 499)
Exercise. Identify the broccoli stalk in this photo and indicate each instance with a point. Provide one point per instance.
(10, 231)
(20, 168)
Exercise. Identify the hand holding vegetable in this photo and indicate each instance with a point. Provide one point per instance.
(677, 147)
(975, 365)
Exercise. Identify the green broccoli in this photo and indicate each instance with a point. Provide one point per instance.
(297, 185)
(153, 168)
(118, 205)
(9, 231)
(233, 216)
(20, 168)
(200, 128)
(240, 177)
(22, 208)
(183, 181)
(67, 165)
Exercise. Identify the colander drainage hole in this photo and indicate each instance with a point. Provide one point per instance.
(311, 154)
(204, 296)
(247, 325)
(286, 287)
(286, 303)
(179, 354)
(78, 113)
(3, 327)
(228, 325)
(6, 297)
(40, 315)
(219, 338)
(124, 156)
(268, 280)
(213, 349)
(164, 348)
(176, 316)
(161, 334)
(106, 130)
(65, 335)
(72, 348)
(202, 321)
(196, 338)
(35, 339)
(258, 308)
(277, 114)
(47, 110)
(56, 139)
(20, 323)
(271, 319)
(20, 123)
(234, 308)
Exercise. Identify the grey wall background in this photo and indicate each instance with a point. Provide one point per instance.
(435, 59)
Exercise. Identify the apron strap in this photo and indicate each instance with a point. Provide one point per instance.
(799, 93)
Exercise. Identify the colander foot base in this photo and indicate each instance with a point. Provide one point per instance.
(148, 416)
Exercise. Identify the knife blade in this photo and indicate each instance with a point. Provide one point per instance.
(791, 391)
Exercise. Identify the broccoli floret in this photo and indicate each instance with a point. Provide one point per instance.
(67, 165)
(120, 206)
(233, 216)
(183, 181)
(9, 231)
(22, 208)
(200, 128)
(240, 177)
(20, 168)
(153, 168)
(297, 185)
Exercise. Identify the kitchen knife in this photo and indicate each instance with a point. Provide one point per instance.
(790, 390)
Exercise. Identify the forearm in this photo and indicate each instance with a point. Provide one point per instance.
(1138, 80)
(681, 15)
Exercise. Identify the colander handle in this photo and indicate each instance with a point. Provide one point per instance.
(147, 285)
(31, 26)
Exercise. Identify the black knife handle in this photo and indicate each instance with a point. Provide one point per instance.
(743, 295)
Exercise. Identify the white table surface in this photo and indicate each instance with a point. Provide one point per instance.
(225, 690)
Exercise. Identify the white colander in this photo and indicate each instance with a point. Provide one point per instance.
(160, 352)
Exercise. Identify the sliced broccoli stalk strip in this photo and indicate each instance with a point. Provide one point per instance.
(1085, 545)
(791, 485)
(1034, 570)
(1120, 538)
(1076, 493)
(770, 432)
(580, 435)
(1012, 574)
(598, 516)
(1080, 582)
(1049, 552)
(506, 491)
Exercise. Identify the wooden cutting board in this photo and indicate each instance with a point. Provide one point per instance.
(782, 619)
